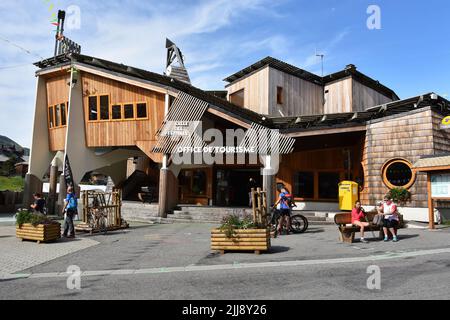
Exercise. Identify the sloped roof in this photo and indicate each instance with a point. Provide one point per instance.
(284, 124)
(433, 161)
(276, 64)
(160, 79)
(350, 70)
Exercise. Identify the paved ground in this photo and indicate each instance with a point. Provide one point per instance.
(175, 262)
(17, 255)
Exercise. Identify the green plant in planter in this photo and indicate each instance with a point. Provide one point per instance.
(24, 216)
(399, 195)
(233, 222)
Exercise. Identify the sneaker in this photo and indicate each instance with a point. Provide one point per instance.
(364, 240)
(386, 239)
(395, 239)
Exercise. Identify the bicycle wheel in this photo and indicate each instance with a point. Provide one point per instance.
(273, 224)
(299, 224)
(102, 225)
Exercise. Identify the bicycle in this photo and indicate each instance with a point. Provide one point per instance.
(98, 220)
(299, 223)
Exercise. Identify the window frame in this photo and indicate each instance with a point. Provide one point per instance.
(390, 162)
(122, 109)
(146, 110)
(53, 115)
(280, 95)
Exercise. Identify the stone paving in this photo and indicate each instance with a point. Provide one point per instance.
(16, 255)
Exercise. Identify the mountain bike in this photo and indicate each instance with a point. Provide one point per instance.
(299, 223)
(98, 220)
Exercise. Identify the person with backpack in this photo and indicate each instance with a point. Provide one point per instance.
(284, 204)
(70, 208)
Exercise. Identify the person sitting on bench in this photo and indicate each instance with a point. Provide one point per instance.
(391, 219)
(358, 217)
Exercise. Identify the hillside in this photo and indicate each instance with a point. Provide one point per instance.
(8, 142)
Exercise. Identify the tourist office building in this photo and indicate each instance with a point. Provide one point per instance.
(109, 118)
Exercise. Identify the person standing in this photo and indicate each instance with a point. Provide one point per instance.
(284, 205)
(70, 208)
(358, 217)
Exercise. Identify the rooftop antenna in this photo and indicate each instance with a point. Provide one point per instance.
(321, 58)
(63, 44)
(59, 29)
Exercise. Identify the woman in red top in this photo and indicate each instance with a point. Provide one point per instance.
(358, 217)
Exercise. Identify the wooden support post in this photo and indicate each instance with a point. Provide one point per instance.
(62, 194)
(163, 186)
(259, 210)
(254, 204)
(430, 204)
(51, 201)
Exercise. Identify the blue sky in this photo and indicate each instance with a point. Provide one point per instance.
(410, 53)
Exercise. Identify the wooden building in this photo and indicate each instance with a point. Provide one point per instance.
(96, 115)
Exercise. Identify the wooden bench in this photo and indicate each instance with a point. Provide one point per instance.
(347, 230)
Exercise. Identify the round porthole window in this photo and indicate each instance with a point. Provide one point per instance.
(397, 173)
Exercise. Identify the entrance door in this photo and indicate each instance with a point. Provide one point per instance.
(232, 186)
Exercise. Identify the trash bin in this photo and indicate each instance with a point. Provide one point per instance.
(348, 195)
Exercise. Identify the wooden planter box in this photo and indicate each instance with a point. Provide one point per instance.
(40, 233)
(257, 240)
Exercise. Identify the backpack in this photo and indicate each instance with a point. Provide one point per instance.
(72, 202)
(288, 199)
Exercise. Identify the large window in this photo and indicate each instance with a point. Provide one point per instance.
(304, 185)
(101, 108)
(63, 114)
(237, 98)
(51, 121)
(93, 114)
(329, 185)
(57, 115)
(128, 111)
(398, 173)
(193, 182)
(141, 110)
(104, 107)
(116, 112)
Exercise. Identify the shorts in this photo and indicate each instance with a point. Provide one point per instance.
(285, 212)
(390, 223)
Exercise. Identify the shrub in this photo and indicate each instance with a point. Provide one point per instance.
(232, 222)
(24, 216)
(400, 195)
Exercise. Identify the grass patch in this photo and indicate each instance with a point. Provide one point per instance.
(12, 183)
(446, 223)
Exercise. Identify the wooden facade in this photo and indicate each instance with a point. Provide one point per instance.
(299, 97)
(124, 132)
(273, 92)
(255, 86)
(318, 162)
(407, 136)
(57, 93)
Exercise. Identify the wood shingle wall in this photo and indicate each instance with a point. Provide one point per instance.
(408, 136)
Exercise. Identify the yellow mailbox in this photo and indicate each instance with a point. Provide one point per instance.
(348, 195)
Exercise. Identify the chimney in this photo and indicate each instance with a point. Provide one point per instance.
(351, 67)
